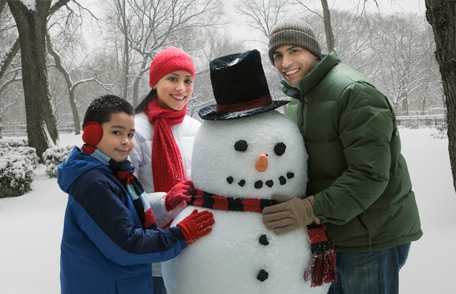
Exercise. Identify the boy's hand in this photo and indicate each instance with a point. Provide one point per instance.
(196, 225)
(289, 215)
(181, 192)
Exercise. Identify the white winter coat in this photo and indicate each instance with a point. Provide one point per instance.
(141, 156)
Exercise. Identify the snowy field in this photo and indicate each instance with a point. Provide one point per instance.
(31, 226)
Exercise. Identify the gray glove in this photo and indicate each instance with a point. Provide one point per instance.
(289, 215)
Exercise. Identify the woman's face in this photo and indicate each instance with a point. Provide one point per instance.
(175, 89)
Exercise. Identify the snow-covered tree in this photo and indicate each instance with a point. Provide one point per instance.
(441, 14)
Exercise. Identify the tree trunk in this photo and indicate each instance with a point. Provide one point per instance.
(32, 27)
(136, 91)
(137, 80)
(126, 67)
(69, 84)
(4, 64)
(74, 110)
(441, 14)
(328, 27)
(126, 49)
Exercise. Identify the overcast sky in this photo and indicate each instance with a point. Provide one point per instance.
(386, 6)
(239, 30)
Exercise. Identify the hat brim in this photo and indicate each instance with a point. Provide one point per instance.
(210, 112)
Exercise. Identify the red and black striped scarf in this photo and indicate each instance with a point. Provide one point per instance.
(323, 265)
(123, 171)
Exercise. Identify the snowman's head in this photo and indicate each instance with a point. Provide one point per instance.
(252, 157)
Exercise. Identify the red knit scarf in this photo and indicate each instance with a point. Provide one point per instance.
(167, 164)
(323, 264)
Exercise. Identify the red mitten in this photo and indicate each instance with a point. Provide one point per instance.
(196, 225)
(181, 192)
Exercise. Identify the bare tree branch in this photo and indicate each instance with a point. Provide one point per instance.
(16, 45)
(6, 106)
(262, 14)
(15, 78)
(306, 7)
(4, 64)
(328, 26)
(82, 7)
(2, 5)
(57, 5)
(7, 28)
(363, 3)
(147, 26)
(105, 86)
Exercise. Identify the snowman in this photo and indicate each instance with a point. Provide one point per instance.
(245, 153)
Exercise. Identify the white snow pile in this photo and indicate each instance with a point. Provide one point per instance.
(17, 164)
(53, 156)
(32, 225)
(12, 142)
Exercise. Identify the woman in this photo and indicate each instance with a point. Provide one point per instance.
(164, 133)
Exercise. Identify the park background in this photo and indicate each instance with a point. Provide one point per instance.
(98, 47)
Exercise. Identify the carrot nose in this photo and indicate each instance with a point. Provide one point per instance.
(261, 164)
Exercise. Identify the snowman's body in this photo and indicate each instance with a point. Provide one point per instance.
(240, 255)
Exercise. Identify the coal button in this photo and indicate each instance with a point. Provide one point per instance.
(263, 240)
(262, 275)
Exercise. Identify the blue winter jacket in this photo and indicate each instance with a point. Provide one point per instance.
(104, 248)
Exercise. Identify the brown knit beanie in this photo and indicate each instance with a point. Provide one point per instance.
(293, 33)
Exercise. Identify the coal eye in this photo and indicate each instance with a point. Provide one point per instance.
(280, 148)
(241, 145)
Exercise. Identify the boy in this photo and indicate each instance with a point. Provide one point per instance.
(110, 236)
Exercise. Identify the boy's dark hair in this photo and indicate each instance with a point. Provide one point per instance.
(100, 109)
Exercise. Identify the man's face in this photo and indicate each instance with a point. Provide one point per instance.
(117, 140)
(293, 63)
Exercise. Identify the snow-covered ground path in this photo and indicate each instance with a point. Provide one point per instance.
(31, 226)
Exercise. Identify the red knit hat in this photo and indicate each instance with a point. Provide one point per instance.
(169, 60)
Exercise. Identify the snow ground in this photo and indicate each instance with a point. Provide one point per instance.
(31, 225)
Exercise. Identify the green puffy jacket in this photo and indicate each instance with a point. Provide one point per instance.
(359, 178)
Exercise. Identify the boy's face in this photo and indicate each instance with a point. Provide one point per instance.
(293, 63)
(117, 140)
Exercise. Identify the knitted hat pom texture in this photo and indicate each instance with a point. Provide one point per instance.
(296, 34)
(169, 60)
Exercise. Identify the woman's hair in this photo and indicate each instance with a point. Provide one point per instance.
(143, 104)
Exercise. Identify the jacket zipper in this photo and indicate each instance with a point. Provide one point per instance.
(302, 118)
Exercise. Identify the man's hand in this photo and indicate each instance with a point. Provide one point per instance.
(181, 192)
(289, 215)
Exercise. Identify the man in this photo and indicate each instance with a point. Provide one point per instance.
(359, 186)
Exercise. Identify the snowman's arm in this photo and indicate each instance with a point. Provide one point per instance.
(101, 214)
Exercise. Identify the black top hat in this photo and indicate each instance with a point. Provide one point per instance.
(240, 87)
